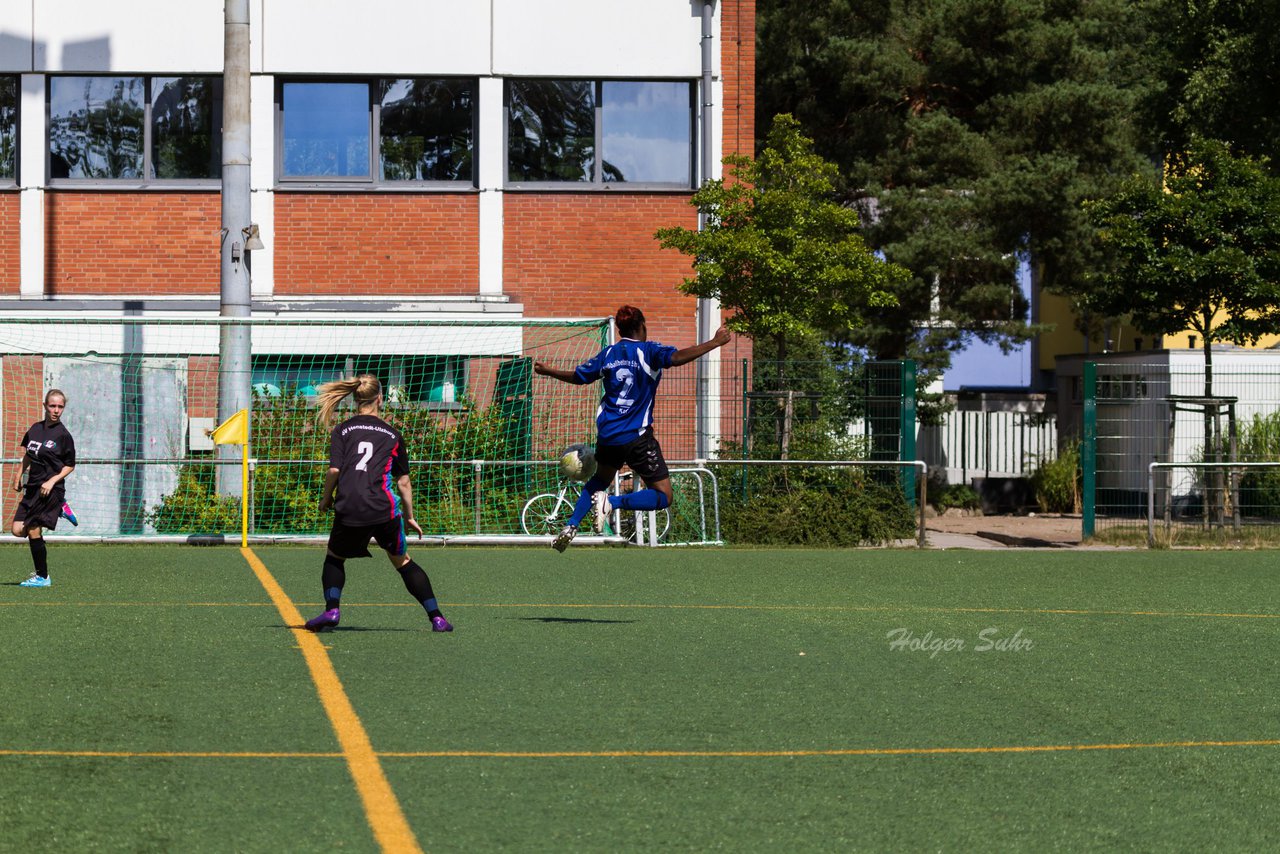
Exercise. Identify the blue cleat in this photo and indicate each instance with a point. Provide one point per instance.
(440, 624)
(325, 622)
(69, 514)
(36, 581)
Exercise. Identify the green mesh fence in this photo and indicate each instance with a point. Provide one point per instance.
(141, 394)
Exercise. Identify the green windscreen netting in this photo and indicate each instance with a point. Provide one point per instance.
(141, 394)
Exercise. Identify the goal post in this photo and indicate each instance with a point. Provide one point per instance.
(142, 392)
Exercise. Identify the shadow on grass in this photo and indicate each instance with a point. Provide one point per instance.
(566, 620)
(342, 629)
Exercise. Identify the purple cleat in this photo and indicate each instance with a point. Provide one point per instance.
(325, 622)
(69, 514)
(440, 624)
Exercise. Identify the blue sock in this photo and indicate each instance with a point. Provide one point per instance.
(583, 507)
(432, 606)
(332, 598)
(644, 499)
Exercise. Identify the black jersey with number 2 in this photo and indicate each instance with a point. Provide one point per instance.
(49, 449)
(370, 456)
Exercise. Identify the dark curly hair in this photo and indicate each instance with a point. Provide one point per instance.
(629, 319)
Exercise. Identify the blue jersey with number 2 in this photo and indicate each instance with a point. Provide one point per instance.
(630, 372)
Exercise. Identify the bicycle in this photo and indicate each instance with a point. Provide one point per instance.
(546, 513)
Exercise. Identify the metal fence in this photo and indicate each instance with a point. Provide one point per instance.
(1161, 411)
(143, 393)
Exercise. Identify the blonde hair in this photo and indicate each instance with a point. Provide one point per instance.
(55, 392)
(365, 388)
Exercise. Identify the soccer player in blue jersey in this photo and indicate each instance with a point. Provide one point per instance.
(629, 371)
(369, 469)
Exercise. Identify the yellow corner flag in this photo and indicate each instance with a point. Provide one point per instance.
(233, 431)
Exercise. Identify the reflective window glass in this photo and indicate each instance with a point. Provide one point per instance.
(186, 127)
(426, 130)
(96, 127)
(647, 131)
(551, 130)
(325, 131)
(8, 128)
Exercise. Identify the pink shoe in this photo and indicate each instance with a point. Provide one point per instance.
(325, 622)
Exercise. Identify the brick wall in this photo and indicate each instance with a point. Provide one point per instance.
(377, 244)
(131, 244)
(738, 57)
(10, 240)
(585, 254)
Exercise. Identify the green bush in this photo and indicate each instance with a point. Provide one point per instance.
(867, 514)
(956, 495)
(1260, 488)
(1057, 482)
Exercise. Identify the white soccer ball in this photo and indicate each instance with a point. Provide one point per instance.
(578, 462)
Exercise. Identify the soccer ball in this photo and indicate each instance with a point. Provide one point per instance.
(578, 462)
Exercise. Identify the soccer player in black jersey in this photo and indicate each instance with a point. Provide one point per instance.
(49, 455)
(369, 467)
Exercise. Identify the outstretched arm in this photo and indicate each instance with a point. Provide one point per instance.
(688, 354)
(556, 373)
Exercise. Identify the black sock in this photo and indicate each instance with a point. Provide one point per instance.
(333, 578)
(39, 556)
(419, 587)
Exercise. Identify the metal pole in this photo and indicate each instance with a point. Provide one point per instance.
(234, 368)
(1089, 449)
(706, 307)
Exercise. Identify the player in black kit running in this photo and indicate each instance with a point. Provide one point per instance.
(49, 455)
(369, 467)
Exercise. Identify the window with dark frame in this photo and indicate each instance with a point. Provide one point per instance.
(135, 128)
(8, 129)
(593, 133)
(389, 130)
(431, 381)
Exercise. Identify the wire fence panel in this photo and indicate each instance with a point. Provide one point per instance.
(1165, 412)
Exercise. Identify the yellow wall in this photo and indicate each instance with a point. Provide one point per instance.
(1065, 339)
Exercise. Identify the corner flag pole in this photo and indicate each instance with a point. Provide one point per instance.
(235, 431)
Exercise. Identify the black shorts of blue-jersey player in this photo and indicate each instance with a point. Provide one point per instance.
(629, 371)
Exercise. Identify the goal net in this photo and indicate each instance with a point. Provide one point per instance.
(482, 430)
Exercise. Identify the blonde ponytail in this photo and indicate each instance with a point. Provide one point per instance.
(365, 387)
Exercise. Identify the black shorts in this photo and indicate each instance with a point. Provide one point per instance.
(644, 455)
(36, 511)
(347, 541)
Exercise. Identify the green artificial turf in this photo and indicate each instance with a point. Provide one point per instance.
(151, 649)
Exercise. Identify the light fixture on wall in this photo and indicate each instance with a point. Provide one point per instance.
(252, 240)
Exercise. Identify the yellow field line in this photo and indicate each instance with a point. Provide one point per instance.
(885, 609)
(773, 754)
(172, 754)
(380, 805)
(648, 754)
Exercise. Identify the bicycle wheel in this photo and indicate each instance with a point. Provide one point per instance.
(545, 514)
